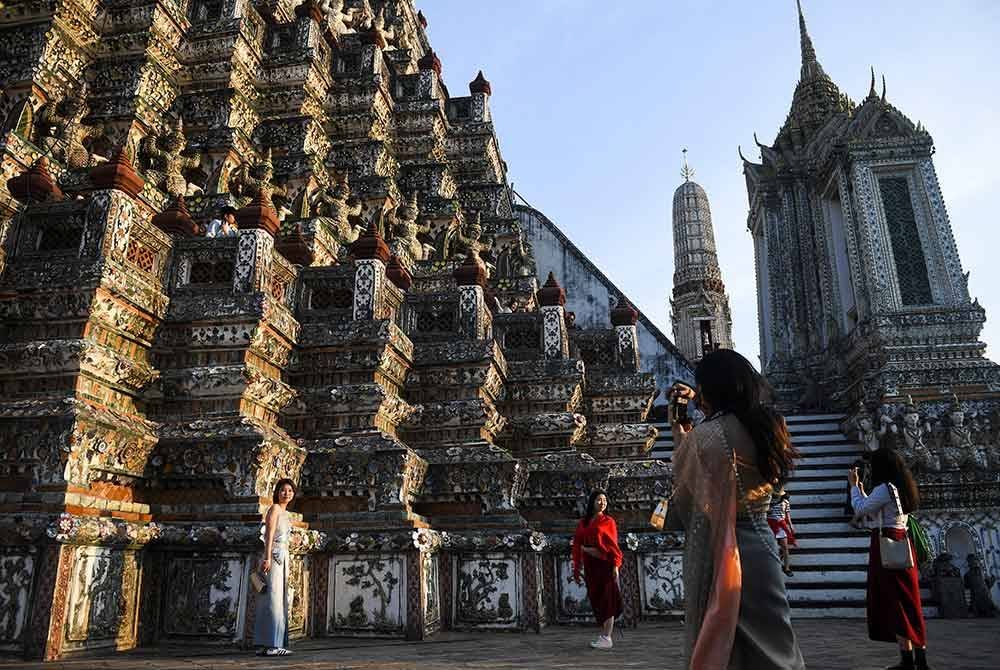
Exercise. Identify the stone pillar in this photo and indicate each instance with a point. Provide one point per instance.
(555, 338)
(624, 317)
(258, 223)
(472, 313)
(370, 257)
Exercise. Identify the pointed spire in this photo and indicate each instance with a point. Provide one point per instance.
(810, 66)
(34, 184)
(624, 314)
(883, 88)
(871, 89)
(480, 85)
(551, 294)
(175, 220)
(686, 171)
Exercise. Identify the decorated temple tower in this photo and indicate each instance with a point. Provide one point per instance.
(860, 286)
(699, 308)
(372, 327)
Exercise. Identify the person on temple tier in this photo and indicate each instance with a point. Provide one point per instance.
(224, 225)
(596, 551)
(895, 613)
(779, 518)
(736, 610)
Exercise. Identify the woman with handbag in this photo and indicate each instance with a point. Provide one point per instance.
(895, 613)
(596, 550)
(270, 631)
(736, 609)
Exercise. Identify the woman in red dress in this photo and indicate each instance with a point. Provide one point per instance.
(595, 549)
(895, 613)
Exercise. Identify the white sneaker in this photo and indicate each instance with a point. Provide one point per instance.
(602, 643)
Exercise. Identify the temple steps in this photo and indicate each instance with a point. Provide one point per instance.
(831, 561)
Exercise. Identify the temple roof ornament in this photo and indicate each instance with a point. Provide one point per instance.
(551, 294)
(624, 314)
(430, 61)
(117, 174)
(686, 171)
(259, 213)
(34, 184)
(175, 220)
(370, 245)
(480, 85)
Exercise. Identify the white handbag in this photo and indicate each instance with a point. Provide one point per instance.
(896, 554)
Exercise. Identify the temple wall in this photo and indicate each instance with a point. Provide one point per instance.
(590, 295)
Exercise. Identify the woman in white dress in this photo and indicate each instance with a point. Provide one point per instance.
(270, 631)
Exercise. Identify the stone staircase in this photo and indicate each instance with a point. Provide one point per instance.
(831, 559)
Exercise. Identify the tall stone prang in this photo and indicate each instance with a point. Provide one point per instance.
(861, 293)
(373, 328)
(699, 308)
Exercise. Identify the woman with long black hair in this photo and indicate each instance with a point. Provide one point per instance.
(271, 623)
(596, 550)
(725, 469)
(895, 613)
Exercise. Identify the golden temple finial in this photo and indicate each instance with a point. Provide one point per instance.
(686, 171)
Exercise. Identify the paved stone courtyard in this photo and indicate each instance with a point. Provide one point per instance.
(830, 645)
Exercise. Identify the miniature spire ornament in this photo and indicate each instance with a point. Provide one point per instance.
(686, 171)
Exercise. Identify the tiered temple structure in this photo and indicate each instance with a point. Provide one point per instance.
(860, 286)
(864, 308)
(699, 308)
(374, 329)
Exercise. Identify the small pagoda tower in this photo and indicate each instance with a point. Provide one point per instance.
(699, 309)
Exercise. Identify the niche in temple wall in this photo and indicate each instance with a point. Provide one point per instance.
(833, 214)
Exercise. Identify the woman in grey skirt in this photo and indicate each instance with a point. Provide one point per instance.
(271, 623)
(736, 611)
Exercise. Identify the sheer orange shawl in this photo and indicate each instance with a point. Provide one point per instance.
(706, 501)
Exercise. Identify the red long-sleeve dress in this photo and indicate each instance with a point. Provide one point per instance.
(598, 573)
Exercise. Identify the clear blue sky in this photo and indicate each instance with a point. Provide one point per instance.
(593, 102)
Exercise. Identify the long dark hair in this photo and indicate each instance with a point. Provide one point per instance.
(591, 501)
(730, 384)
(277, 488)
(888, 467)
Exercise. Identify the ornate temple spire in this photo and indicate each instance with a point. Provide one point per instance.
(699, 307)
(810, 66)
(816, 97)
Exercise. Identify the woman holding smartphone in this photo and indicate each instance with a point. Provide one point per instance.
(725, 469)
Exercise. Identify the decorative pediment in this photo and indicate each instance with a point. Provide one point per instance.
(878, 120)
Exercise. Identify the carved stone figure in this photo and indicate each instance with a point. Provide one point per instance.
(462, 243)
(979, 585)
(250, 179)
(162, 158)
(405, 243)
(909, 439)
(336, 204)
(340, 22)
(379, 35)
(864, 424)
(956, 448)
(61, 133)
(947, 587)
(514, 260)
